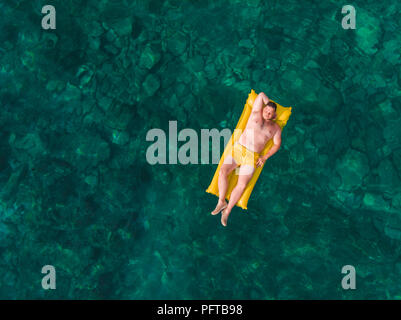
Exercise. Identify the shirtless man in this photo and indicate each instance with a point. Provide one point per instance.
(259, 129)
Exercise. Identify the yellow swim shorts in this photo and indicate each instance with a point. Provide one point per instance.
(242, 155)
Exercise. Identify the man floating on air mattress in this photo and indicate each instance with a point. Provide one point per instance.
(246, 153)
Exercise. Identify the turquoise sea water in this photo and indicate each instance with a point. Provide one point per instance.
(76, 191)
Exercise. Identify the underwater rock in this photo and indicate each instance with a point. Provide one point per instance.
(71, 93)
(385, 110)
(111, 49)
(188, 102)
(94, 43)
(331, 71)
(332, 100)
(352, 167)
(83, 150)
(246, 43)
(112, 43)
(254, 3)
(210, 71)
(104, 74)
(373, 138)
(118, 117)
(368, 32)
(306, 88)
(149, 58)
(241, 66)
(29, 145)
(172, 102)
(181, 89)
(111, 36)
(185, 76)
(374, 201)
(49, 40)
(242, 86)
(396, 201)
(397, 160)
(94, 29)
(122, 26)
(290, 80)
(4, 230)
(51, 169)
(55, 85)
(13, 182)
(166, 176)
(196, 63)
(374, 83)
(257, 75)
(128, 155)
(151, 84)
(339, 47)
(392, 133)
(197, 85)
(392, 226)
(104, 103)
(387, 175)
(85, 74)
(177, 44)
(120, 137)
(311, 85)
(272, 63)
(350, 200)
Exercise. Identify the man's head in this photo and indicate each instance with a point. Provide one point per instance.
(269, 111)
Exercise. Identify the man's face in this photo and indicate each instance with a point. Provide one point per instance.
(268, 113)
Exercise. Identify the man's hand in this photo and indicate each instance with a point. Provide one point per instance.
(261, 161)
(273, 149)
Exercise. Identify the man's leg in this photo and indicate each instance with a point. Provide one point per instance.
(245, 174)
(226, 168)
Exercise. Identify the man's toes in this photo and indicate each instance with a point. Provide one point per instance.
(214, 212)
(224, 219)
(219, 208)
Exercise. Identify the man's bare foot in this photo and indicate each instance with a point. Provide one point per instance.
(224, 217)
(220, 206)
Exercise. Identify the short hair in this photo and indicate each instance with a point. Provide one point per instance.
(272, 104)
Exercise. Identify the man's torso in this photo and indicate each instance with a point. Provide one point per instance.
(257, 134)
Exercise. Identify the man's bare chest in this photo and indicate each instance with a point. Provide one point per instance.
(268, 129)
(263, 130)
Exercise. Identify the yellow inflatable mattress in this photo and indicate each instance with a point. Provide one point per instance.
(283, 114)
